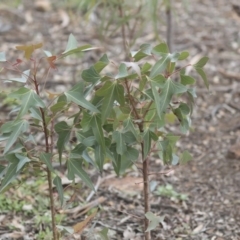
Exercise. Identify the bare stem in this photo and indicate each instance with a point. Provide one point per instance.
(145, 165)
(49, 174)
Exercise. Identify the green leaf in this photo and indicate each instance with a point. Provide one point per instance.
(58, 107)
(101, 64)
(166, 151)
(146, 143)
(184, 108)
(75, 167)
(146, 67)
(107, 103)
(2, 57)
(129, 138)
(129, 126)
(99, 157)
(183, 56)
(170, 88)
(128, 158)
(72, 47)
(156, 99)
(187, 80)
(103, 234)
(58, 183)
(76, 95)
(118, 137)
(72, 43)
(201, 63)
(160, 66)
(86, 119)
(145, 50)
(161, 48)
(29, 99)
(154, 221)
(122, 71)
(23, 79)
(22, 161)
(185, 157)
(11, 171)
(119, 94)
(63, 131)
(36, 113)
(91, 75)
(105, 89)
(203, 75)
(46, 158)
(96, 125)
(135, 68)
(18, 127)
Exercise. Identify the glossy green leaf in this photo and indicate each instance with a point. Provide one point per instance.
(119, 94)
(99, 157)
(118, 137)
(187, 80)
(76, 95)
(156, 99)
(146, 142)
(145, 50)
(58, 107)
(184, 108)
(22, 161)
(129, 126)
(75, 166)
(47, 158)
(129, 138)
(85, 122)
(23, 79)
(36, 113)
(102, 63)
(57, 181)
(91, 75)
(175, 160)
(170, 88)
(185, 157)
(72, 43)
(72, 47)
(105, 89)
(18, 127)
(166, 151)
(203, 75)
(146, 67)
(10, 171)
(129, 157)
(103, 234)
(29, 99)
(63, 131)
(161, 48)
(122, 71)
(183, 55)
(2, 57)
(135, 68)
(96, 125)
(201, 63)
(160, 66)
(107, 103)
(153, 221)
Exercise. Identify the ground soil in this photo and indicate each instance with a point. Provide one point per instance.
(212, 179)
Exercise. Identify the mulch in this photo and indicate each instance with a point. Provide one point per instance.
(212, 179)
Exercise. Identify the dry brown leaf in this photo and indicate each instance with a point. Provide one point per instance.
(79, 227)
